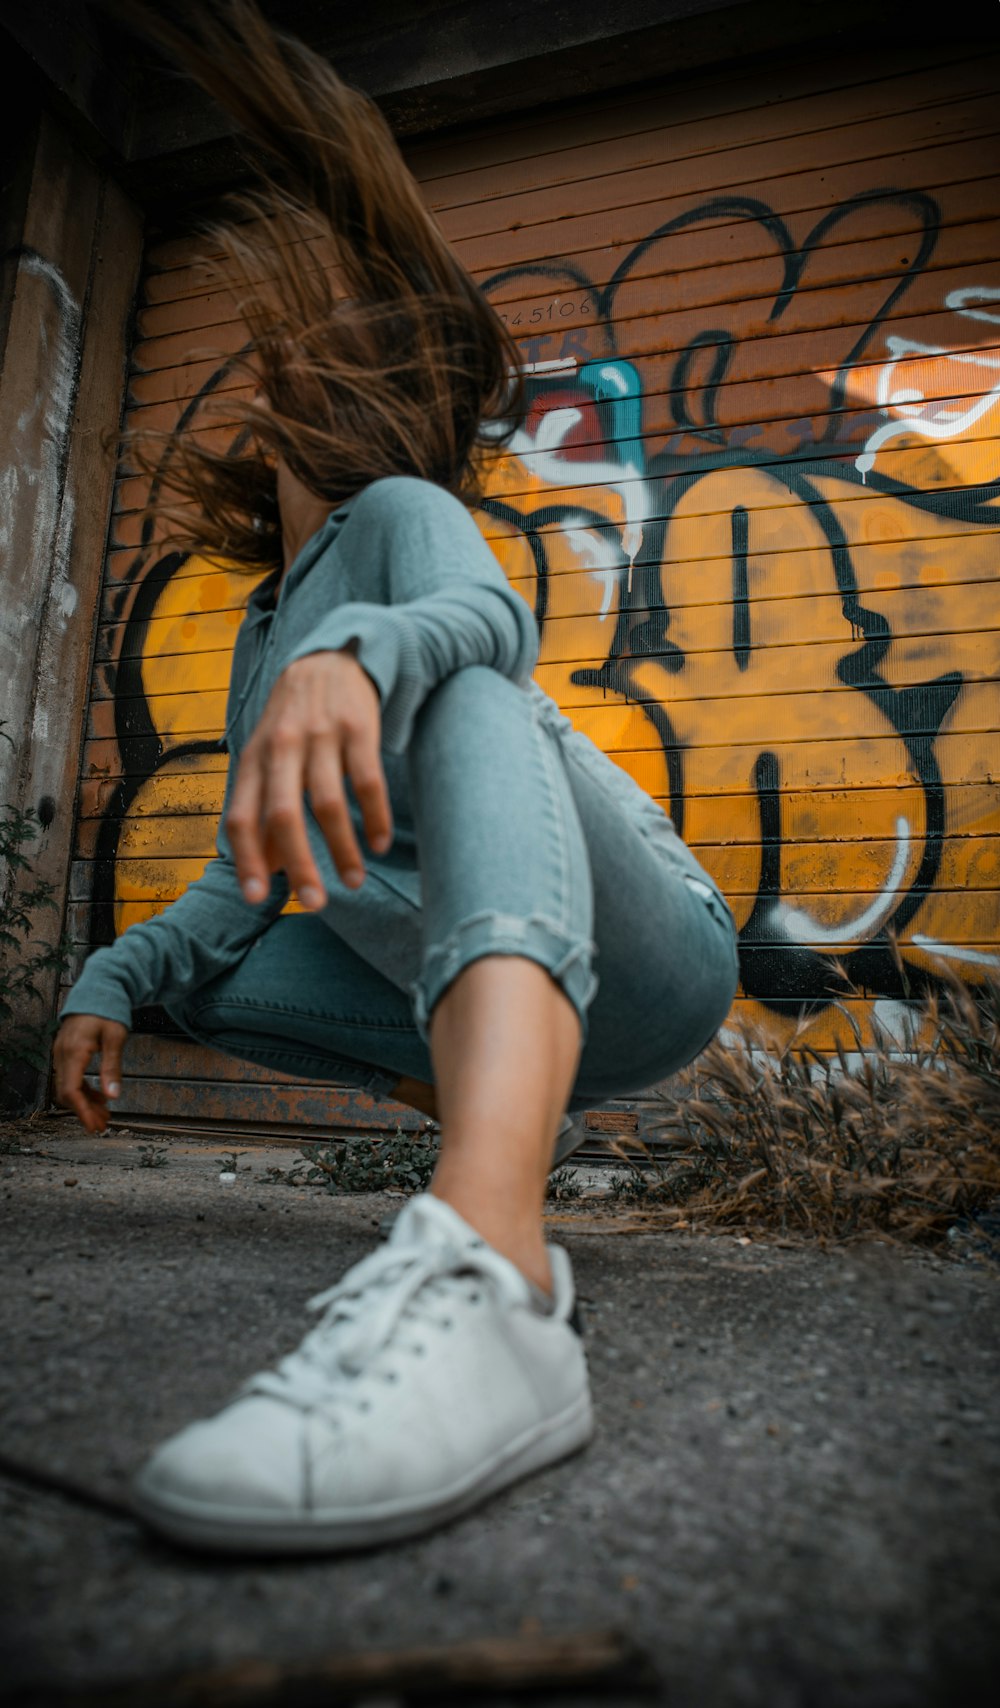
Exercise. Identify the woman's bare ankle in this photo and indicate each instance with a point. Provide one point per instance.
(522, 1243)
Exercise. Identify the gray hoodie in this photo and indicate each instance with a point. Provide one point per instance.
(402, 570)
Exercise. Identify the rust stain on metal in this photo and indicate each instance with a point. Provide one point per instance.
(611, 1121)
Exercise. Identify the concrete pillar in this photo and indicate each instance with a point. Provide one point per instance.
(69, 291)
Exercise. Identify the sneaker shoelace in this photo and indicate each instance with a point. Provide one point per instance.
(363, 1314)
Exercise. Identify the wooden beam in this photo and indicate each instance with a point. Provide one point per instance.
(603, 1663)
(82, 66)
(433, 66)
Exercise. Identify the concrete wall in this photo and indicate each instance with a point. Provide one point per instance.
(71, 272)
(753, 507)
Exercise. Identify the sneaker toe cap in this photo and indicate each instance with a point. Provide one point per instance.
(250, 1456)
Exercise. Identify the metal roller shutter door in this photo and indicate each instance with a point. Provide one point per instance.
(753, 504)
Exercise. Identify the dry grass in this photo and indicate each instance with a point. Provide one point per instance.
(795, 1143)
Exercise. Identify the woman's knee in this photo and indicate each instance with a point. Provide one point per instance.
(655, 1029)
(475, 698)
(473, 683)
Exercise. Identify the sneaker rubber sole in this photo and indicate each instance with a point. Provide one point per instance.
(227, 1530)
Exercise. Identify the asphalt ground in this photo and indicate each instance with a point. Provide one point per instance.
(793, 1499)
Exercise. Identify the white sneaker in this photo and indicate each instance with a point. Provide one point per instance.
(433, 1379)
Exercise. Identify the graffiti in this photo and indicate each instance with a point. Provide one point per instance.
(782, 618)
(934, 392)
(759, 542)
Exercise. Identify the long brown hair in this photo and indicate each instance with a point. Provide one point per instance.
(372, 349)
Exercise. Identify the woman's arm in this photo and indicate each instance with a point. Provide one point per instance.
(355, 677)
(209, 928)
(437, 601)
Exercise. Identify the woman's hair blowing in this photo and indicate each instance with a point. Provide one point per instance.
(372, 349)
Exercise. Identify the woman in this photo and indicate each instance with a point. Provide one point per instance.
(381, 691)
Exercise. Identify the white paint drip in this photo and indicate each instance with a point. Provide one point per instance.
(597, 554)
(915, 413)
(614, 379)
(556, 365)
(799, 926)
(898, 1022)
(542, 452)
(632, 546)
(953, 951)
(831, 1069)
(963, 294)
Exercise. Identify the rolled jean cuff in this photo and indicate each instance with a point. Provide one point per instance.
(569, 960)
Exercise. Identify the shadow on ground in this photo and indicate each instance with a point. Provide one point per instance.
(792, 1500)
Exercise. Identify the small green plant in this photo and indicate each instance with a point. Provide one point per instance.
(631, 1187)
(228, 1161)
(153, 1156)
(404, 1162)
(275, 1176)
(24, 1033)
(563, 1185)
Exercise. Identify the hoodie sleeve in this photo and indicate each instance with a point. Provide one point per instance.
(439, 601)
(205, 932)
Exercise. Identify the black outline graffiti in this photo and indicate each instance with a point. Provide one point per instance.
(783, 976)
(739, 548)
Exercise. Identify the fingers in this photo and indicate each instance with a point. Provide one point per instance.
(71, 1061)
(112, 1042)
(82, 1037)
(322, 721)
(89, 1106)
(266, 822)
(243, 826)
(286, 838)
(329, 805)
(364, 767)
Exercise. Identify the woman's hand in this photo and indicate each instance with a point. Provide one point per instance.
(322, 723)
(81, 1036)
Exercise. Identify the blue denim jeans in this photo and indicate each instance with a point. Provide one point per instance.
(515, 835)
